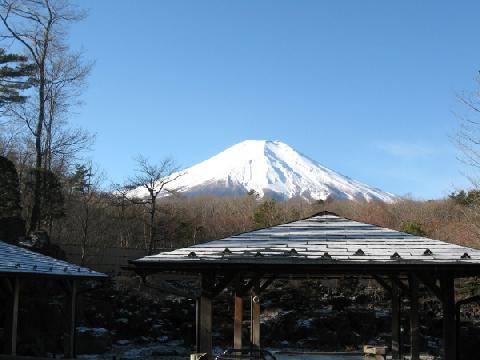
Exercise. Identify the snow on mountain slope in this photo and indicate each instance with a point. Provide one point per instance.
(271, 168)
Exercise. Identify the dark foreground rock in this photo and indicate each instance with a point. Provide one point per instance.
(93, 340)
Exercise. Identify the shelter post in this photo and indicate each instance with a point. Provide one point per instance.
(414, 321)
(204, 317)
(11, 327)
(11, 315)
(447, 286)
(255, 317)
(237, 321)
(71, 312)
(396, 312)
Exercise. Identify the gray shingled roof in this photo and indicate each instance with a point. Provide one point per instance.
(320, 239)
(15, 260)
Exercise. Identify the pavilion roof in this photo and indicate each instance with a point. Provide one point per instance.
(18, 261)
(322, 239)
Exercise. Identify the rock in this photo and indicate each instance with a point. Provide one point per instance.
(93, 340)
(145, 339)
(165, 353)
(162, 339)
(123, 342)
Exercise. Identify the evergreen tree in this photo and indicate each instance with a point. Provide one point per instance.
(466, 198)
(12, 226)
(81, 180)
(52, 198)
(414, 228)
(9, 189)
(267, 214)
(15, 77)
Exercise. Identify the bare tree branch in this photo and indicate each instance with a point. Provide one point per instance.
(154, 178)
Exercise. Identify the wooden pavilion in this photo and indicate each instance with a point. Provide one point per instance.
(17, 265)
(329, 246)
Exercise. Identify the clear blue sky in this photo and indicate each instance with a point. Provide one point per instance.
(364, 87)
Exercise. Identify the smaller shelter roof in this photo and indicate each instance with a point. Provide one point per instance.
(15, 260)
(324, 241)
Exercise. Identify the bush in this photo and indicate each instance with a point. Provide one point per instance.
(413, 228)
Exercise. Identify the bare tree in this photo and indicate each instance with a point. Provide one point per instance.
(154, 178)
(467, 137)
(67, 74)
(467, 140)
(119, 201)
(39, 27)
(88, 202)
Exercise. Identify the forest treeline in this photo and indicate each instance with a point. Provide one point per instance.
(80, 214)
(184, 221)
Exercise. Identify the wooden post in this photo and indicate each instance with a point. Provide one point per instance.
(71, 312)
(237, 322)
(458, 328)
(447, 286)
(204, 315)
(14, 323)
(414, 322)
(204, 325)
(7, 325)
(255, 320)
(396, 312)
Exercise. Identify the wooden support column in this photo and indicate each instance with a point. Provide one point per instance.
(414, 322)
(255, 318)
(14, 331)
(447, 286)
(71, 311)
(204, 316)
(11, 316)
(204, 325)
(237, 322)
(396, 312)
(458, 328)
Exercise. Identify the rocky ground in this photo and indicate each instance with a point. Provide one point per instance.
(126, 320)
(302, 315)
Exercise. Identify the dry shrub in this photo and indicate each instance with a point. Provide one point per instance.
(440, 219)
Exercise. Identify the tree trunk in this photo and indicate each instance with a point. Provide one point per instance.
(152, 224)
(85, 235)
(145, 240)
(35, 217)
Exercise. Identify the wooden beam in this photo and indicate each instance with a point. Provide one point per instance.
(430, 283)
(396, 313)
(242, 288)
(222, 284)
(237, 322)
(71, 311)
(267, 283)
(414, 319)
(447, 285)
(383, 283)
(401, 285)
(255, 317)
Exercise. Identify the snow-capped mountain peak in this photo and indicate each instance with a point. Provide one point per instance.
(271, 168)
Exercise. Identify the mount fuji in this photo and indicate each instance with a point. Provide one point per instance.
(272, 169)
